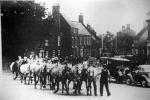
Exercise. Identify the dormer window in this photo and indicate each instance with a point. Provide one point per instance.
(75, 30)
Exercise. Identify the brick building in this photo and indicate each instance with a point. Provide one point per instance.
(141, 45)
(70, 37)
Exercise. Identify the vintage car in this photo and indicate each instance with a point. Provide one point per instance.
(117, 67)
(139, 75)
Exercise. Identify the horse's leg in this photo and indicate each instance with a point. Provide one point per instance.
(13, 75)
(86, 87)
(41, 82)
(89, 86)
(75, 87)
(57, 82)
(79, 86)
(48, 78)
(16, 75)
(29, 78)
(45, 77)
(25, 75)
(21, 77)
(68, 86)
(35, 80)
(54, 83)
(95, 87)
(50, 82)
(62, 87)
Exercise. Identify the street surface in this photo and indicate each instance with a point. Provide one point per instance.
(14, 90)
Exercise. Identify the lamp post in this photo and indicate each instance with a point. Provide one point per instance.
(102, 43)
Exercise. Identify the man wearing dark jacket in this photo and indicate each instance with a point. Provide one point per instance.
(104, 81)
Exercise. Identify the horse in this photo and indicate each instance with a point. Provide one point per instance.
(75, 77)
(93, 73)
(59, 74)
(84, 75)
(39, 71)
(24, 72)
(15, 67)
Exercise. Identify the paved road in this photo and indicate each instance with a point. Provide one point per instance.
(13, 90)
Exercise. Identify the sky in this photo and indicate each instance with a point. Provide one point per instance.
(105, 15)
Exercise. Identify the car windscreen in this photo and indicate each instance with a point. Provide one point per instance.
(144, 68)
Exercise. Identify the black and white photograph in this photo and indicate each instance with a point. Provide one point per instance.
(74, 49)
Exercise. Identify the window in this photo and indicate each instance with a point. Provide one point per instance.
(72, 42)
(80, 40)
(89, 40)
(46, 42)
(75, 41)
(84, 40)
(58, 40)
(75, 30)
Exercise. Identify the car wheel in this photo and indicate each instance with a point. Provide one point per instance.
(143, 83)
(128, 81)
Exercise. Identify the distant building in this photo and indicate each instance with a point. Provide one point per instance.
(124, 40)
(126, 31)
(141, 45)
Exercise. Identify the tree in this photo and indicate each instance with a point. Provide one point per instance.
(124, 43)
(22, 26)
(108, 41)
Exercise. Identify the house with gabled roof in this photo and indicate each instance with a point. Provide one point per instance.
(69, 37)
(141, 45)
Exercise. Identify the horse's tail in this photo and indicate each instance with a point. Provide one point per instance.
(11, 66)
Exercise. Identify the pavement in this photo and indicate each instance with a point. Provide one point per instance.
(14, 90)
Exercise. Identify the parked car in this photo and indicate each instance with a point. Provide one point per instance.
(117, 68)
(139, 75)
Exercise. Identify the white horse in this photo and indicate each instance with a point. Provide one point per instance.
(24, 72)
(93, 76)
(39, 70)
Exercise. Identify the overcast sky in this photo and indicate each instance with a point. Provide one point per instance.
(105, 15)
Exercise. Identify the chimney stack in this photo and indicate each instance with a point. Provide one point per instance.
(55, 9)
(128, 26)
(81, 18)
(123, 27)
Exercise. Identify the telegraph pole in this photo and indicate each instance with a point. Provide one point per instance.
(102, 43)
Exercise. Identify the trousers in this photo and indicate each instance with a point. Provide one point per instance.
(106, 84)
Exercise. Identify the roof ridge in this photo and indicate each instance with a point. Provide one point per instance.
(142, 31)
(76, 24)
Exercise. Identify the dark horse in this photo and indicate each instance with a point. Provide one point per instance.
(84, 78)
(15, 68)
(59, 74)
(77, 75)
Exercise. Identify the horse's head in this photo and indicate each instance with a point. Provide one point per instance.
(66, 71)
